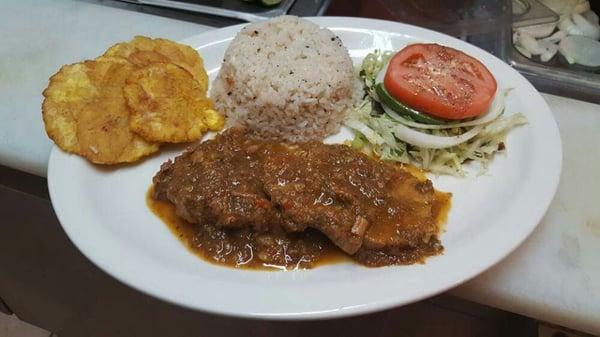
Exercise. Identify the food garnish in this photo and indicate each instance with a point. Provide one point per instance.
(575, 36)
(439, 81)
(440, 113)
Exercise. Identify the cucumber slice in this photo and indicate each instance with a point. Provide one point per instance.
(403, 109)
(270, 2)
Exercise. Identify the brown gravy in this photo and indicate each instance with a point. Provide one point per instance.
(246, 249)
(260, 203)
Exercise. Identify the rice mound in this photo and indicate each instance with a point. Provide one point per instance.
(285, 78)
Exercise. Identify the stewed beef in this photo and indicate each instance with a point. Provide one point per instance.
(377, 211)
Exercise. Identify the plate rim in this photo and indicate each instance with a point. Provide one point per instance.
(551, 187)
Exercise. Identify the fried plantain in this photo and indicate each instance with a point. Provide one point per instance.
(142, 51)
(168, 105)
(85, 112)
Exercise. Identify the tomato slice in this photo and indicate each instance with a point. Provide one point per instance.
(440, 81)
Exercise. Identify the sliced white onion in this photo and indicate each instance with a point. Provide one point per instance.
(493, 112)
(395, 116)
(591, 17)
(577, 24)
(556, 37)
(581, 50)
(567, 25)
(430, 141)
(523, 51)
(538, 31)
(515, 37)
(371, 135)
(582, 6)
(528, 42)
(381, 75)
(550, 49)
(576, 20)
(587, 28)
(504, 124)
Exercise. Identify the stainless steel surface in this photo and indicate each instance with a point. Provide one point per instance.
(556, 76)
(532, 13)
(553, 78)
(454, 17)
(235, 9)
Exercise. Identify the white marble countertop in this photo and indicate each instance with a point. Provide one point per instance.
(38, 37)
(554, 276)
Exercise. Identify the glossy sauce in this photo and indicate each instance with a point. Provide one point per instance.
(247, 249)
(262, 203)
(241, 249)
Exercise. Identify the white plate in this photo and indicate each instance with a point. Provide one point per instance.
(104, 213)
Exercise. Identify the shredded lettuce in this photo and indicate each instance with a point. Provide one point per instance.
(371, 66)
(375, 132)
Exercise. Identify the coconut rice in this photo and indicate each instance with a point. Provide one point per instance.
(285, 78)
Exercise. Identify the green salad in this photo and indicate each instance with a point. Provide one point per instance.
(396, 132)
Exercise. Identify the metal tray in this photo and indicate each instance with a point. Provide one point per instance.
(556, 76)
(531, 12)
(235, 9)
